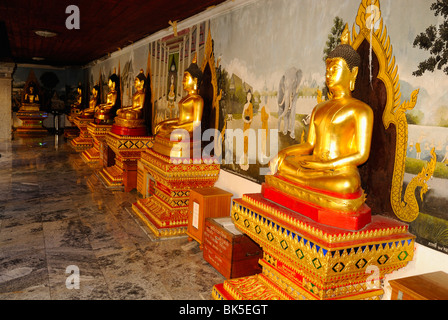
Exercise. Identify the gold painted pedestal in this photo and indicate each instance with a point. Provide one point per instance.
(84, 141)
(32, 119)
(98, 132)
(72, 131)
(127, 151)
(303, 259)
(165, 184)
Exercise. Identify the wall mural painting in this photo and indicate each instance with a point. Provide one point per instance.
(170, 56)
(272, 73)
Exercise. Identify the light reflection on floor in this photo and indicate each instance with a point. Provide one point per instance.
(55, 213)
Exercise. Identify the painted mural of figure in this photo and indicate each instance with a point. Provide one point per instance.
(248, 116)
(418, 148)
(287, 100)
(445, 158)
(171, 98)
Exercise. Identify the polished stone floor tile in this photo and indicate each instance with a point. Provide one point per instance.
(58, 223)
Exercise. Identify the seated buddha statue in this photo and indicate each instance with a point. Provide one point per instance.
(126, 116)
(90, 111)
(78, 100)
(105, 113)
(339, 137)
(31, 100)
(31, 96)
(75, 108)
(190, 107)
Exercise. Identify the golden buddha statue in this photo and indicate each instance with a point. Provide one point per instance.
(105, 113)
(90, 111)
(339, 136)
(174, 144)
(31, 97)
(190, 107)
(78, 101)
(132, 116)
(31, 100)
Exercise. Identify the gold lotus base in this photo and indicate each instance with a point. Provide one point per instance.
(84, 141)
(98, 133)
(81, 144)
(112, 177)
(129, 123)
(32, 120)
(177, 149)
(303, 259)
(166, 188)
(127, 150)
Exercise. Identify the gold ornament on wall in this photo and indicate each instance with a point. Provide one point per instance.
(371, 25)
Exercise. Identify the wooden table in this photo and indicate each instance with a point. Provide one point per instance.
(430, 286)
(206, 203)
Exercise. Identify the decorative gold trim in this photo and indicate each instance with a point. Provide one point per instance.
(307, 195)
(372, 29)
(309, 257)
(286, 219)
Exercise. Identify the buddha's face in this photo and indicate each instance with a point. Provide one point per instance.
(138, 84)
(339, 76)
(94, 92)
(111, 85)
(189, 82)
(79, 90)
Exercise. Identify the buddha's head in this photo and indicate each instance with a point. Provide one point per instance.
(342, 67)
(95, 91)
(192, 77)
(31, 88)
(140, 81)
(113, 82)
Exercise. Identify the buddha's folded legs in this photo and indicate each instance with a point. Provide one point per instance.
(344, 180)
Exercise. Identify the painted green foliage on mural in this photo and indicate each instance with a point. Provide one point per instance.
(434, 40)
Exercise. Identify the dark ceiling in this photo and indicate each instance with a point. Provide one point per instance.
(105, 26)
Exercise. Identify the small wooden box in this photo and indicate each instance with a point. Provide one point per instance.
(206, 203)
(430, 286)
(229, 251)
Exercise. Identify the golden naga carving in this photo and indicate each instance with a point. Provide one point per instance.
(338, 141)
(127, 115)
(372, 29)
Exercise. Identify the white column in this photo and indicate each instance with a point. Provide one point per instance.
(6, 70)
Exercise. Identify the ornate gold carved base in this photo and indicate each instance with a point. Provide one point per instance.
(303, 259)
(165, 186)
(71, 132)
(177, 149)
(98, 133)
(84, 141)
(32, 120)
(127, 150)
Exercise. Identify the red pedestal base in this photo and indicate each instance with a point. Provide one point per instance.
(350, 221)
(124, 131)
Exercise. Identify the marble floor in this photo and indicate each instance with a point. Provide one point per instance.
(56, 218)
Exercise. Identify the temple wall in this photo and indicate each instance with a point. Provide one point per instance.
(256, 42)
